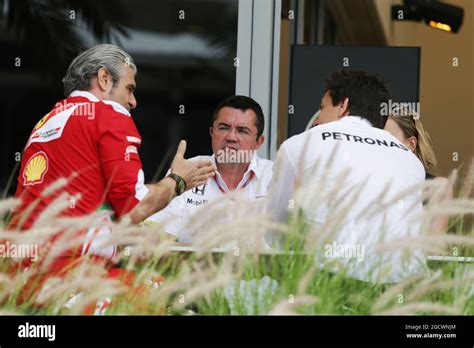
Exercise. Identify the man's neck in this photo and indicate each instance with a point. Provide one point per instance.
(98, 93)
(232, 174)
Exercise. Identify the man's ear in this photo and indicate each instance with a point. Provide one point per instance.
(211, 130)
(260, 141)
(343, 108)
(104, 80)
(412, 142)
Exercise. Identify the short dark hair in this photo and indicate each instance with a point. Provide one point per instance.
(366, 93)
(243, 103)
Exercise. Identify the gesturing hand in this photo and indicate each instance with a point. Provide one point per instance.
(195, 173)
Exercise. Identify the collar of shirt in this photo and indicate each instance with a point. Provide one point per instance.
(246, 178)
(89, 96)
(356, 120)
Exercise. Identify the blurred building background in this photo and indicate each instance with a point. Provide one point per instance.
(193, 53)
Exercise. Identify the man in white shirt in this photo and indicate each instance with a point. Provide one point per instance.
(236, 132)
(348, 176)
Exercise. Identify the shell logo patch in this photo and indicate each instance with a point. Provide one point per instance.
(35, 169)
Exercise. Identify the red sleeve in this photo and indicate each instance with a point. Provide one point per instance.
(119, 142)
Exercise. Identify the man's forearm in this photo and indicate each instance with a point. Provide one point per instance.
(158, 197)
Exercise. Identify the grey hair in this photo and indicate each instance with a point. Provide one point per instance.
(86, 65)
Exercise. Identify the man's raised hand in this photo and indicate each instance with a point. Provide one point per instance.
(195, 173)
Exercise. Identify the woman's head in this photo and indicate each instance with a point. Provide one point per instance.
(410, 131)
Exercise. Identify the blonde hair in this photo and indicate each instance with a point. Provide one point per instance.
(411, 125)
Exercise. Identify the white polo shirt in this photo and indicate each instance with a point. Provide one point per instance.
(253, 185)
(337, 173)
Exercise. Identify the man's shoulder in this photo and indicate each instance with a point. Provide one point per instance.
(265, 166)
(96, 107)
(264, 162)
(300, 140)
(316, 134)
(115, 107)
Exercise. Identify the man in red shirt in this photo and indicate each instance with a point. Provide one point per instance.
(90, 139)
